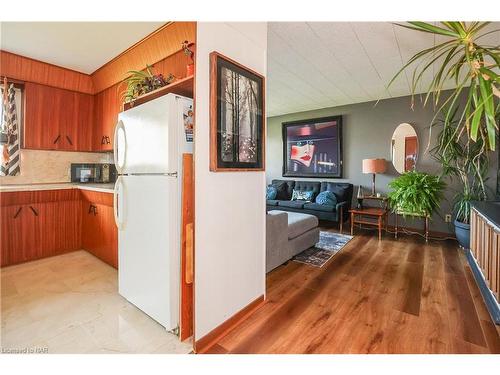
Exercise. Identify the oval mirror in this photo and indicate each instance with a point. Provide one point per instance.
(404, 148)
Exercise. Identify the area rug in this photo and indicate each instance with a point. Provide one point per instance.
(329, 244)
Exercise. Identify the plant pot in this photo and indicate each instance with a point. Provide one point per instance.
(462, 231)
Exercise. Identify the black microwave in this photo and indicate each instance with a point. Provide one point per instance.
(93, 173)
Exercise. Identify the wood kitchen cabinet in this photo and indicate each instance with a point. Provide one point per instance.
(57, 119)
(99, 232)
(39, 224)
(107, 107)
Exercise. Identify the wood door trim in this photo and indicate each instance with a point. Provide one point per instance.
(210, 339)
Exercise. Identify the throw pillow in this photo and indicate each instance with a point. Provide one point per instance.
(326, 198)
(282, 191)
(271, 192)
(300, 195)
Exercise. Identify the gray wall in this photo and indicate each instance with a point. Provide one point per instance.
(367, 132)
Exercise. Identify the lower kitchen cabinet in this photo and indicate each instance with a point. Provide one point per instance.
(38, 224)
(99, 232)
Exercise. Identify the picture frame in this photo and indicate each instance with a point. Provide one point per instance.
(313, 148)
(237, 116)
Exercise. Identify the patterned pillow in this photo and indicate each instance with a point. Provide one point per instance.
(326, 198)
(300, 195)
(271, 192)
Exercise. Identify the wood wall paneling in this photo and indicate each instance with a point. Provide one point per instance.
(29, 70)
(187, 248)
(164, 42)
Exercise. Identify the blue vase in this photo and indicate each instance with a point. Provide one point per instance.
(462, 232)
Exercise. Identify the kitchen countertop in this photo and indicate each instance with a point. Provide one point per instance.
(103, 188)
(490, 211)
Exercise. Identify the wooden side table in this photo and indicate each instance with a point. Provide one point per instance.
(359, 215)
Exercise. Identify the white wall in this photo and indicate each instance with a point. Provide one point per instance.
(229, 207)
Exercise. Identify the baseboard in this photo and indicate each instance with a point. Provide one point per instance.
(206, 342)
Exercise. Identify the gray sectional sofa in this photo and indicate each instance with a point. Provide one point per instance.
(283, 202)
(287, 234)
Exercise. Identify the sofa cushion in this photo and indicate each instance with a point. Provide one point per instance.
(291, 204)
(343, 191)
(271, 192)
(319, 207)
(285, 189)
(272, 202)
(327, 198)
(313, 186)
(299, 224)
(302, 195)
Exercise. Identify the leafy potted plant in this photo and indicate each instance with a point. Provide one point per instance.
(186, 47)
(415, 194)
(140, 82)
(467, 162)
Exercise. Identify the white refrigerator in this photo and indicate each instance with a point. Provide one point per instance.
(148, 146)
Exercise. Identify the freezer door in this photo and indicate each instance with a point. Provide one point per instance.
(146, 137)
(149, 245)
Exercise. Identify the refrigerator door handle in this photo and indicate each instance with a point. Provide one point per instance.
(119, 167)
(118, 182)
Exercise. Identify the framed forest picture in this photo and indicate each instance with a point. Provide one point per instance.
(237, 134)
(313, 148)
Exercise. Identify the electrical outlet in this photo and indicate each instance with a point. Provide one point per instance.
(447, 218)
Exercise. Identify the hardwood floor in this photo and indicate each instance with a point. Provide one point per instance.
(391, 296)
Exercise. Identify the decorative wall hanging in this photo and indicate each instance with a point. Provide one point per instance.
(313, 148)
(236, 116)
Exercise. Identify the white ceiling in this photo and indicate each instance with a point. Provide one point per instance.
(81, 46)
(313, 65)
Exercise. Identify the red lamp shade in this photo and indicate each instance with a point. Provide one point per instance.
(374, 165)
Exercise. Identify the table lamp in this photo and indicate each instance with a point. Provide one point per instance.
(374, 166)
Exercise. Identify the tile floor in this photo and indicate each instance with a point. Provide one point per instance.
(70, 304)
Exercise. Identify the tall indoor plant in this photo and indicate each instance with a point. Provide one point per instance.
(471, 65)
(469, 111)
(465, 161)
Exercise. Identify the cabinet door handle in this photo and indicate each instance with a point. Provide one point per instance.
(18, 212)
(57, 139)
(69, 140)
(35, 212)
(108, 140)
(92, 209)
(103, 140)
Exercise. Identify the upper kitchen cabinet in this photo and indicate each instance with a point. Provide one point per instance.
(107, 106)
(57, 119)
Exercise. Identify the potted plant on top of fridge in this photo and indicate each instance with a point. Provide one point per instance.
(186, 47)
